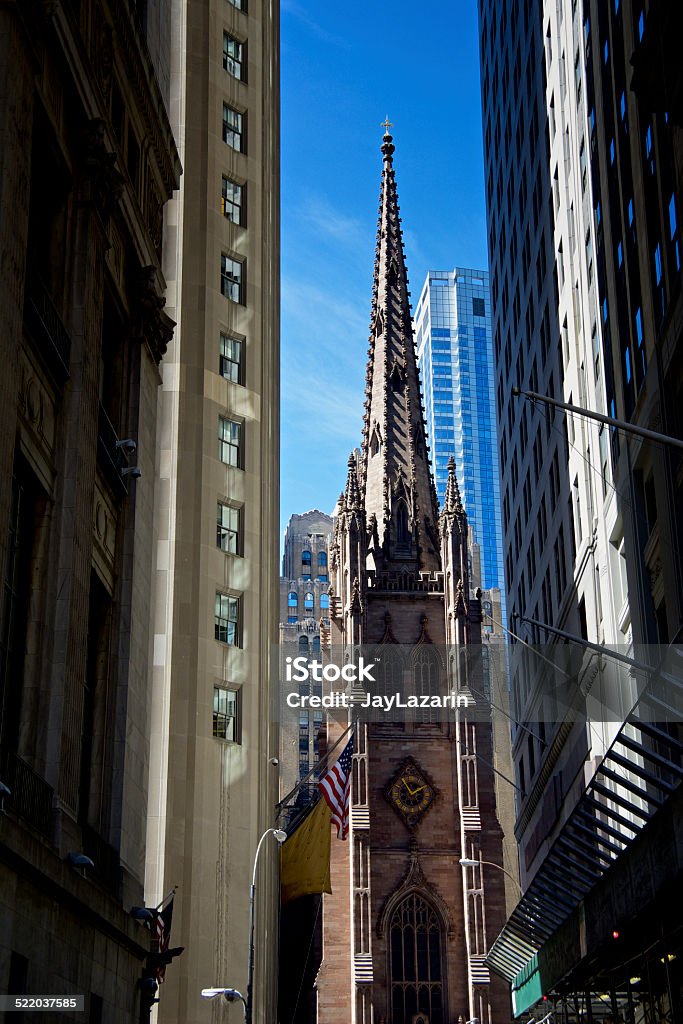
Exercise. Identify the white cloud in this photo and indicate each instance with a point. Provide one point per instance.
(298, 12)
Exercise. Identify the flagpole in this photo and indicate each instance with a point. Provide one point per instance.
(166, 899)
(315, 768)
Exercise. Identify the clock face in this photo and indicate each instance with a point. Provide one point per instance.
(410, 793)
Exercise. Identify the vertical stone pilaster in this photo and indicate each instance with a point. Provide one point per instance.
(16, 118)
(96, 189)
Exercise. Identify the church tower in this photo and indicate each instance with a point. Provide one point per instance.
(406, 928)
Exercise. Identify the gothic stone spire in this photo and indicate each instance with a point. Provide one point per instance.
(452, 501)
(395, 473)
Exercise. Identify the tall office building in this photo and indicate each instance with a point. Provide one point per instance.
(304, 616)
(304, 621)
(87, 162)
(583, 201)
(216, 612)
(455, 355)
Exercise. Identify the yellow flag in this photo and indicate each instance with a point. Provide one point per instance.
(305, 856)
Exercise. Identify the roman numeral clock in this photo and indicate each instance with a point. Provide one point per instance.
(410, 792)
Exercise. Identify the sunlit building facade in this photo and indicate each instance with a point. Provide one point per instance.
(582, 143)
(213, 784)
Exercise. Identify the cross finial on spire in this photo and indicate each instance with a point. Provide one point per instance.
(387, 146)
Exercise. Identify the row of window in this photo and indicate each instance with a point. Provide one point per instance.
(306, 558)
(229, 521)
(309, 600)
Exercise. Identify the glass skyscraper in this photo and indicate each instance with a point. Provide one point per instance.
(455, 353)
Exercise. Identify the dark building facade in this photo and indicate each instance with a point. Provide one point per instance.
(405, 930)
(87, 162)
(591, 315)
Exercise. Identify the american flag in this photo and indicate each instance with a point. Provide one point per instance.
(163, 935)
(335, 786)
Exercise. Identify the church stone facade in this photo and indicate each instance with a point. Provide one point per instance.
(407, 927)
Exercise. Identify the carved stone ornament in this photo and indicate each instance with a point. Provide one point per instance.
(150, 322)
(414, 881)
(103, 185)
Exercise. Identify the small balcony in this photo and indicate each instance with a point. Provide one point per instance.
(31, 796)
(46, 328)
(110, 456)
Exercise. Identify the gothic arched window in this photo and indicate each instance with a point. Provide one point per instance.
(308, 602)
(292, 599)
(426, 672)
(402, 528)
(416, 961)
(389, 672)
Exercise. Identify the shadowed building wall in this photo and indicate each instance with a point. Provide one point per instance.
(87, 163)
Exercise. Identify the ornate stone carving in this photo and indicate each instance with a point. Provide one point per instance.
(102, 184)
(102, 53)
(414, 881)
(150, 322)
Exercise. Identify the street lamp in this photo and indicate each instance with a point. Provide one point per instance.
(467, 862)
(231, 994)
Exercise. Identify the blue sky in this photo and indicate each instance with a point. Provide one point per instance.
(344, 67)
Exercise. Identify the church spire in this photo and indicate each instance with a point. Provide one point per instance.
(351, 493)
(452, 501)
(395, 473)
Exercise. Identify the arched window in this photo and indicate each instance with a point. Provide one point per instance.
(303, 644)
(305, 557)
(324, 601)
(389, 672)
(316, 644)
(402, 529)
(293, 599)
(322, 559)
(426, 673)
(308, 602)
(416, 962)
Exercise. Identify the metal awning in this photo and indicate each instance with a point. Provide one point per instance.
(643, 766)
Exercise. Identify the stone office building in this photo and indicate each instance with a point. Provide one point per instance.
(305, 580)
(304, 616)
(87, 162)
(214, 789)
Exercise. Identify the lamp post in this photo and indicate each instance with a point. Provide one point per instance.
(280, 837)
(231, 994)
(466, 862)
